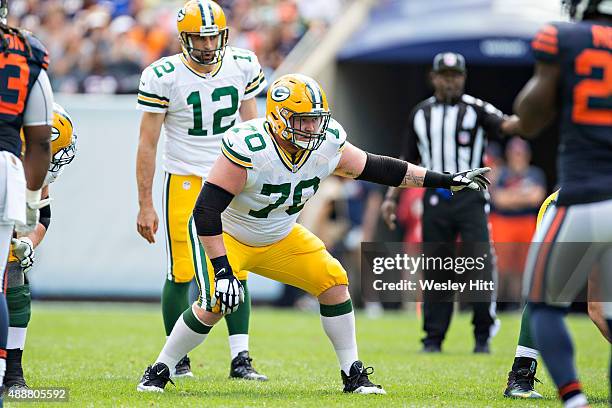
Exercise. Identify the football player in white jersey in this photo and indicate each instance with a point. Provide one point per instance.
(196, 96)
(245, 218)
(21, 258)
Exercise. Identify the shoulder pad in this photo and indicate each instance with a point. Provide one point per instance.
(545, 44)
(242, 55)
(40, 55)
(163, 69)
(335, 134)
(240, 143)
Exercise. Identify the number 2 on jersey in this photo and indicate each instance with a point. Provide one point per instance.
(590, 88)
(195, 100)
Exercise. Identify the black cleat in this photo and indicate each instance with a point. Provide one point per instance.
(431, 348)
(13, 377)
(358, 382)
(155, 378)
(241, 368)
(482, 348)
(183, 368)
(521, 384)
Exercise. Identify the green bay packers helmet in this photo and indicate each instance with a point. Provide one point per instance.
(63, 139)
(292, 99)
(202, 18)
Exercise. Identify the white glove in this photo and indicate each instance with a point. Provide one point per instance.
(229, 292)
(23, 249)
(33, 205)
(473, 179)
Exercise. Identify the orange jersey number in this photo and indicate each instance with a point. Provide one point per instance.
(593, 88)
(14, 77)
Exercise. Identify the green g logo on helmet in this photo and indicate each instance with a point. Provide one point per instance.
(280, 93)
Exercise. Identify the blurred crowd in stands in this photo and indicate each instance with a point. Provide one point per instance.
(101, 46)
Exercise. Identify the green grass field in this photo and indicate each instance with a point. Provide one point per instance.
(99, 351)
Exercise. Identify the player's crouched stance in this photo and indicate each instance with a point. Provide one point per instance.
(246, 212)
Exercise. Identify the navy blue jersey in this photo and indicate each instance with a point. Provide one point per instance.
(583, 52)
(19, 70)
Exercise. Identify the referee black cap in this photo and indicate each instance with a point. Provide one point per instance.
(449, 61)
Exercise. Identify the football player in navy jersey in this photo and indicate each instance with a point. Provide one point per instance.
(572, 84)
(26, 101)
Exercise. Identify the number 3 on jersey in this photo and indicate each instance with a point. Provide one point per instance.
(195, 100)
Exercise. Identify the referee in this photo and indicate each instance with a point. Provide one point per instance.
(448, 133)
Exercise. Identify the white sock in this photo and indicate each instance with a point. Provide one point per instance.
(238, 343)
(341, 332)
(180, 342)
(16, 338)
(577, 401)
(522, 351)
(2, 368)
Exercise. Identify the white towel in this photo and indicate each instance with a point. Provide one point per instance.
(13, 187)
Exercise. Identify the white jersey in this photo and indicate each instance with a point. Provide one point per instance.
(276, 189)
(199, 107)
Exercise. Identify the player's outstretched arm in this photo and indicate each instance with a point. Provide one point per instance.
(225, 180)
(535, 104)
(150, 129)
(357, 164)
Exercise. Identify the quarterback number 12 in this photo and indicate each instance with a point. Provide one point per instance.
(195, 100)
(284, 190)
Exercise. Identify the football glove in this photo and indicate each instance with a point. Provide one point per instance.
(229, 292)
(33, 204)
(473, 179)
(23, 249)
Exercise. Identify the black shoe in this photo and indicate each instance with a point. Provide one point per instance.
(155, 378)
(431, 348)
(183, 368)
(521, 383)
(482, 348)
(13, 377)
(358, 382)
(241, 368)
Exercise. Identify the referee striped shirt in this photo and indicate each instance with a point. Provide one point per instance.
(448, 137)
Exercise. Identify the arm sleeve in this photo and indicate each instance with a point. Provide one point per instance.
(39, 108)
(256, 81)
(238, 147)
(45, 216)
(410, 150)
(153, 92)
(545, 44)
(211, 202)
(492, 119)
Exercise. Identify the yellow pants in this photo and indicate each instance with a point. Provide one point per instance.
(300, 259)
(179, 198)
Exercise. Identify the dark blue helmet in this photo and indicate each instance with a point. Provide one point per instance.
(581, 9)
